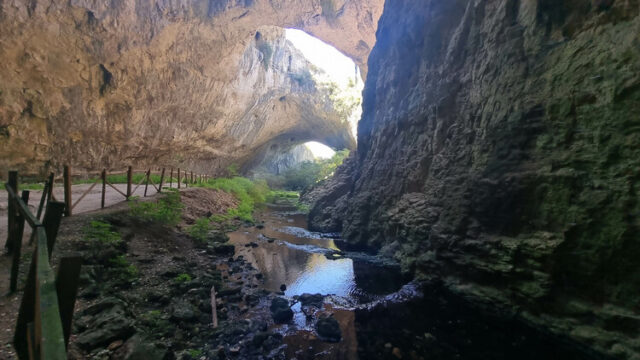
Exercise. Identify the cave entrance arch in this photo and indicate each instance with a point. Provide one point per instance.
(330, 85)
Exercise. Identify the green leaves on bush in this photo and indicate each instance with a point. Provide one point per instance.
(200, 230)
(249, 193)
(167, 210)
(101, 232)
(311, 172)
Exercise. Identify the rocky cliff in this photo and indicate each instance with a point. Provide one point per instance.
(201, 84)
(499, 155)
(276, 160)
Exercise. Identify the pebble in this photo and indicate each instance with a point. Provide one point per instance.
(397, 353)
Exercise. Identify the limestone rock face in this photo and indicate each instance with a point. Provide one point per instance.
(277, 160)
(201, 84)
(498, 153)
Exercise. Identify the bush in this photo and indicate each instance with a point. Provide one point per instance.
(167, 210)
(101, 232)
(249, 193)
(200, 230)
(309, 173)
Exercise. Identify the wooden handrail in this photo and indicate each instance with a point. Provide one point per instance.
(22, 208)
(39, 329)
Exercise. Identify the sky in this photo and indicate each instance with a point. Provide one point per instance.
(339, 68)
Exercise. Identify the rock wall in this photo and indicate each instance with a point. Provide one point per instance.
(188, 83)
(276, 160)
(499, 154)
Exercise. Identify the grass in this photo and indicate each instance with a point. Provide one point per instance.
(183, 278)
(200, 230)
(249, 193)
(167, 210)
(101, 232)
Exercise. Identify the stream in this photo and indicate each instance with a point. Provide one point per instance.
(381, 315)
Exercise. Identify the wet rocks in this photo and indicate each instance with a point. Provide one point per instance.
(104, 323)
(280, 310)
(311, 300)
(328, 329)
(222, 249)
(183, 311)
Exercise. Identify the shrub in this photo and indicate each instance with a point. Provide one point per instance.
(101, 232)
(183, 278)
(200, 230)
(249, 193)
(167, 210)
(309, 173)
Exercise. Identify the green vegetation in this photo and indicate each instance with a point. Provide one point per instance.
(167, 210)
(194, 353)
(26, 186)
(183, 278)
(200, 229)
(128, 272)
(249, 193)
(308, 173)
(101, 232)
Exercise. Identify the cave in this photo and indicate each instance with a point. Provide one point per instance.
(187, 179)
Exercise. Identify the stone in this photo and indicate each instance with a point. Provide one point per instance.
(224, 249)
(261, 88)
(280, 310)
(104, 323)
(140, 348)
(183, 311)
(328, 329)
(311, 300)
(483, 175)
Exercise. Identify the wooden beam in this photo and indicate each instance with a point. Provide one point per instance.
(129, 180)
(48, 325)
(103, 176)
(51, 222)
(17, 243)
(67, 190)
(67, 283)
(11, 207)
(85, 193)
(161, 180)
(146, 185)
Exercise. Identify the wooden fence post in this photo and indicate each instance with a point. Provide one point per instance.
(171, 179)
(67, 190)
(17, 242)
(67, 289)
(103, 175)
(51, 222)
(146, 185)
(13, 184)
(192, 177)
(129, 179)
(161, 180)
(178, 178)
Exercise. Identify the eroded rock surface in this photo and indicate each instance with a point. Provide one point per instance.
(200, 84)
(498, 153)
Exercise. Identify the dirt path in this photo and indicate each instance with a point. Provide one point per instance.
(9, 303)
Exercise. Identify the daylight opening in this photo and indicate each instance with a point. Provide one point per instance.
(333, 69)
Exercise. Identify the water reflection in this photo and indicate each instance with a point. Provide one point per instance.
(295, 257)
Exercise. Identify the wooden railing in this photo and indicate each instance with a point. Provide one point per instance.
(46, 310)
(184, 178)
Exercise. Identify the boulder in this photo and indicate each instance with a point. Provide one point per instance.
(328, 329)
(280, 310)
